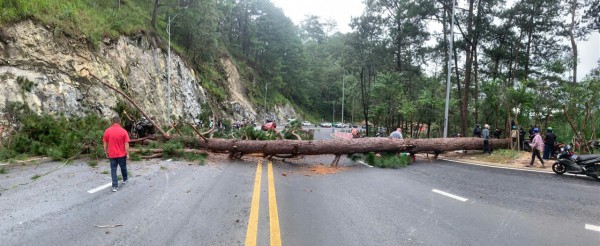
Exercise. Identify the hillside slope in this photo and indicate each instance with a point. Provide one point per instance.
(43, 70)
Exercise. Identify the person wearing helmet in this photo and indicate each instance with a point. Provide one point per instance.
(537, 146)
(485, 134)
(513, 136)
(549, 143)
(477, 131)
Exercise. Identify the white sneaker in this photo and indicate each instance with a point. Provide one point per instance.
(114, 189)
(125, 181)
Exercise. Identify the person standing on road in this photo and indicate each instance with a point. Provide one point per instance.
(537, 146)
(549, 143)
(397, 134)
(485, 134)
(116, 147)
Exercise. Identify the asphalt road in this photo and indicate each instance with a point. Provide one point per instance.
(180, 203)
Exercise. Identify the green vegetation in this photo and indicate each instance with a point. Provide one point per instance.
(387, 160)
(57, 137)
(381, 65)
(3, 170)
(94, 19)
(105, 172)
(135, 157)
(163, 168)
(508, 153)
(92, 163)
(34, 177)
(25, 84)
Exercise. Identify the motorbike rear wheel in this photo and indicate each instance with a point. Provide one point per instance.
(559, 168)
(595, 176)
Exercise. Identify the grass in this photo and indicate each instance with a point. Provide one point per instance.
(501, 156)
(92, 163)
(3, 170)
(105, 172)
(163, 168)
(135, 157)
(34, 177)
(200, 158)
(94, 19)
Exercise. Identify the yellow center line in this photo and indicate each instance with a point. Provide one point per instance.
(273, 215)
(253, 219)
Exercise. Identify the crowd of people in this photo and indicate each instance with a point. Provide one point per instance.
(535, 141)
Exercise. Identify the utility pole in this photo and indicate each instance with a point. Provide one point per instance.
(352, 113)
(343, 88)
(450, 41)
(333, 113)
(171, 18)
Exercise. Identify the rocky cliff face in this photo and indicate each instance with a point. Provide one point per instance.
(45, 71)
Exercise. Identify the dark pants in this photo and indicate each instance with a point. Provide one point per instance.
(521, 142)
(486, 147)
(122, 162)
(535, 152)
(548, 151)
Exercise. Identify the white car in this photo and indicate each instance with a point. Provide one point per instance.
(307, 123)
(340, 125)
(325, 124)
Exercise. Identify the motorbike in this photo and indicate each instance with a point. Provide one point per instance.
(582, 164)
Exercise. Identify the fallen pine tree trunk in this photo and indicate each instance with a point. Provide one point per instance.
(347, 146)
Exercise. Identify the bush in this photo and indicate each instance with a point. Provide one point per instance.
(57, 137)
(172, 149)
(387, 160)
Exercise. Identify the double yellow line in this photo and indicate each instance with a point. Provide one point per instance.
(275, 234)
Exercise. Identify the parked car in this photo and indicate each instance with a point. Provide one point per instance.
(307, 123)
(340, 125)
(325, 124)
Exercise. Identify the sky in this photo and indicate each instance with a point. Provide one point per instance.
(343, 10)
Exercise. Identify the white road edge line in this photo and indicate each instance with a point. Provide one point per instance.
(500, 167)
(592, 227)
(462, 199)
(362, 162)
(92, 191)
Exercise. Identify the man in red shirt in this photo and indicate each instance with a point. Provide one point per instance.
(116, 147)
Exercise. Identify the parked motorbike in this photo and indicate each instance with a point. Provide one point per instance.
(582, 164)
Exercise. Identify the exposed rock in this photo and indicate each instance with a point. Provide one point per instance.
(132, 64)
(51, 67)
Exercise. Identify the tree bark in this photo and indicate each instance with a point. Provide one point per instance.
(347, 146)
(468, 68)
(154, 13)
(572, 37)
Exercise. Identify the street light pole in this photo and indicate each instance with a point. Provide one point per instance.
(171, 18)
(343, 88)
(451, 40)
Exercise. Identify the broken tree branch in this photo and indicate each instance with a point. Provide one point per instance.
(198, 132)
(165, 135)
